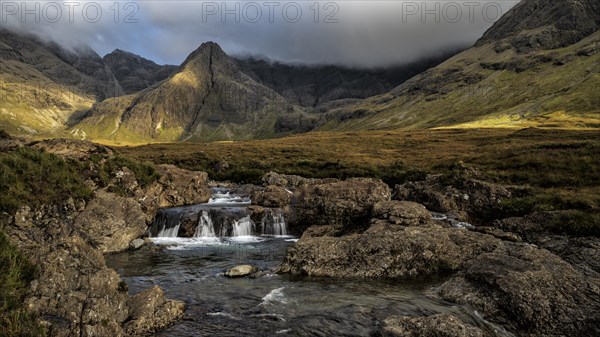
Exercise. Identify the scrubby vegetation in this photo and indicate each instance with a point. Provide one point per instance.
(32, 177)
(15, 274)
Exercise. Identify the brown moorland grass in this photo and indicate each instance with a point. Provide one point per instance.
(560, 168)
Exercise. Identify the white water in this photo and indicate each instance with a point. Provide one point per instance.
(223, 219)
(168, 232)
(276, 295)
(273, 223)
(205, 226)
(243, 227)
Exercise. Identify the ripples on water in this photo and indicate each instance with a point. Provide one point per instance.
(269, 305)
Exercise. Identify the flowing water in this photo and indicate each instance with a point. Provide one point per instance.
(191, 269)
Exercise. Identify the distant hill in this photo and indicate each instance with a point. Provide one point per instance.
(207, 98)
(134, 72)
(539, 65)
(314, 85)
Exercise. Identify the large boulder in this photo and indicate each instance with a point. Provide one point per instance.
(291, 182)
(529, 290)
(398, 252)
(150, 311)
(462, 195)
(110, 222)
(432, 326)
(347, 203)
(272, 196)
(175, 187)
(404, 213)
(77, 295)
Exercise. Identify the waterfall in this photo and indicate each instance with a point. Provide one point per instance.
(166, 224)
(225, 215)
(205, 226)
(273, 223)
(242, 227)
(168, 232)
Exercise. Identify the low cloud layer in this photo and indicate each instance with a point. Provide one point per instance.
(351, 33)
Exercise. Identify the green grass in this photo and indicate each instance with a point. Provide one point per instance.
(16, 272)
(32, 177)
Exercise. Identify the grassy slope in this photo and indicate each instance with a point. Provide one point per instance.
(561, 90)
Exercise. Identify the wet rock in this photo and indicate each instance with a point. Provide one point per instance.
(529, 290)
(404, 213)
(398, 252)
(241, 271)
(462, 195)
(272, 196)
(136, 244)
(432, 326)
(347, 203)
(151, 311)
(110, 222)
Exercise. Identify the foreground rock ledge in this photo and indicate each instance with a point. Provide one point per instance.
(526, 289)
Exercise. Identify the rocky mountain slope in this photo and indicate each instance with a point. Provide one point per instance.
(134, 72)
(314, 85)
(525, 71)
(207, 98)
(43, 85)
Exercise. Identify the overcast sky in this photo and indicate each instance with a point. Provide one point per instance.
(352, 33)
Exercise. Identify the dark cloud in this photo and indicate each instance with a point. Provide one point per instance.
(352, 33)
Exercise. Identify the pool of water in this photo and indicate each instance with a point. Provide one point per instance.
(192, 269)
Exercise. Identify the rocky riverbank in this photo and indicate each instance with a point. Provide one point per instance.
(517, 272)
(513, 272)
(74, 293)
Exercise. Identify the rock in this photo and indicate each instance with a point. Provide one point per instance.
(529, 290)
(291, 181)
(347, 203)
(272, 196)
(136, 244)
(403, 213)
(241, 271)
(70, 148)
(110, 222)
(404, 252)
(151, 311)
(464, 196)
(432, 326)
(176, 187)
(76, 288)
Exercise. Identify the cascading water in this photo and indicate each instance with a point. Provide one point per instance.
(205, 226)
(243, 227)
(273, 223)
(225, 215)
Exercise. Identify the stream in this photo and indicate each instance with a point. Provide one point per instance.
(191, 269)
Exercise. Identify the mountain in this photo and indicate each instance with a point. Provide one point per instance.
(207, 98)
(134, 72)
(311, 86)
(42, 86)
(531, 68)
(544, 24)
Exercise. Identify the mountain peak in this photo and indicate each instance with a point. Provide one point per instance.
(545, 24)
